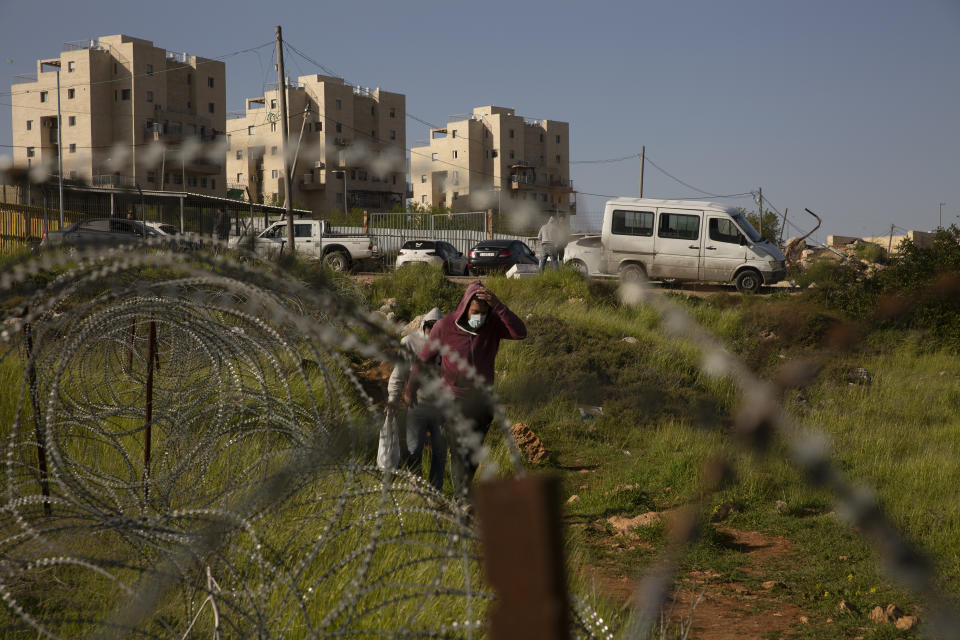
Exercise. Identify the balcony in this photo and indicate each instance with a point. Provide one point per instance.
(203, 167)
(561, 185)
(112, 181)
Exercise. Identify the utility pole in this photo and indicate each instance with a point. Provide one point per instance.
(643, 160)
(282, 89)
(56, 63)
(784, 225)
(942, 204)
(890, 241)
(760, 201)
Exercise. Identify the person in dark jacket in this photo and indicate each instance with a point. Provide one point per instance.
(471, 336)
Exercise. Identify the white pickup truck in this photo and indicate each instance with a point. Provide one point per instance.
(315, 238)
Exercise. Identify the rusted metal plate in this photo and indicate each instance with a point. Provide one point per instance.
(522, 539)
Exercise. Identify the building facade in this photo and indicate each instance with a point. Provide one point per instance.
(495, 159)
(133, 115)
(345, 145)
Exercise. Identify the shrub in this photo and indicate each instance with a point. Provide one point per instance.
(871, 252)
(417, 288)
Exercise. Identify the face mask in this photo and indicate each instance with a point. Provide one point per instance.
(476, 320)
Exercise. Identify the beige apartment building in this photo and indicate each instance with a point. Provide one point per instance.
(495, 159)
(133, 115)
(345, 144)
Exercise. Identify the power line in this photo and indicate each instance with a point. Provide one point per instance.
(141, 75)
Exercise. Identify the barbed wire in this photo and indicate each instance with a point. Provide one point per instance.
(244, 505)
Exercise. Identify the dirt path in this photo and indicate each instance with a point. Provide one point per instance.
(725, 609)
(696, 289)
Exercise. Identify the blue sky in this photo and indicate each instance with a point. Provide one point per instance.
(850, 108)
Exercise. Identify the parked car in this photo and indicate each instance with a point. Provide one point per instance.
(683, 240)
(498, 255)
(105, 231)
(435, 252)
(164, 228)
(316, 238)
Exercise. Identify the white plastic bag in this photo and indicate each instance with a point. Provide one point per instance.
(388, 450)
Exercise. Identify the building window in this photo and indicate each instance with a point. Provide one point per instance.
(250, 130)
(558, 159)
(493, 154)
(393, 134)
(31, 152)
(454, 154)
(149, 96)
(434, 156)
(239, 177)
(373, 134)
(72, 121)
(275, 173)
(511, 133)
(114, 68)
(203, 182)
(423, 179)
(239, 154)
(456, 194)
(373, 110)
(189, 78)
(541, 137)
(318, 127)
(511, 155)
(213, 183)
(151, 176)
(71, 94)
(29, 125)
(211, 107)
(273, 151)
(453, 134)
(124, 94)
(149, 69)
(177, 178)
(558, 139)
(43, 96)
(273, 103)
(192, 181)
(393, 113)
(339, 128)
(423, 199)
(273, 126)
(73, 147)
(339, 104)
(210, 82)
(71, 66)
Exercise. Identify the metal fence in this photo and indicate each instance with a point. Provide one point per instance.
(462, 230)
(37, 210)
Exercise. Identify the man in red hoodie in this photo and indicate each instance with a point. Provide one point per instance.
(471, 336)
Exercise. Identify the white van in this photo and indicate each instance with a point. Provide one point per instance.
(683, 240)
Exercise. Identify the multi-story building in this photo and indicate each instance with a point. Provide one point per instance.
(496, 159)
(345, 144)
(133, 115)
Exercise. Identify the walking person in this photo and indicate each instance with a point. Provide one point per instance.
(548, 244)
(562, 238)
(395, 443)
(471, 336)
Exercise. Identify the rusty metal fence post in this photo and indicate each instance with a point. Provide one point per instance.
(151, 349)
(35, 404)
(521, 534)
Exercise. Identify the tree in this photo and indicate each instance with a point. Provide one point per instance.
(771, 223)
